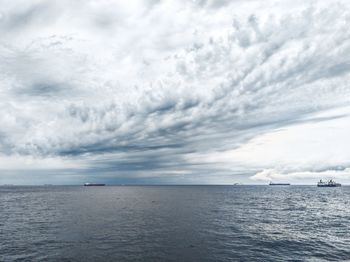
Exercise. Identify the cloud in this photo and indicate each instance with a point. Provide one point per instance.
(273, 175)
(166, 85)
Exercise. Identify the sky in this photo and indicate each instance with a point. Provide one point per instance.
(174, 92)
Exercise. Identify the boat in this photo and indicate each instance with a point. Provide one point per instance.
(329, 183)
(279, 184)
(94, 184)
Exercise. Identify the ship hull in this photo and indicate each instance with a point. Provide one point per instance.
(93, 184)
(337, 185)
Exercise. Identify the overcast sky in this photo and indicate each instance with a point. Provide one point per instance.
(179, 92)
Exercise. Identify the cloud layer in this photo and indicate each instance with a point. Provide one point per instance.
(162, 90)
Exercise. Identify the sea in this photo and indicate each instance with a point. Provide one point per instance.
(174, 223)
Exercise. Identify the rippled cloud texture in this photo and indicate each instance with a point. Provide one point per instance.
(174, 91)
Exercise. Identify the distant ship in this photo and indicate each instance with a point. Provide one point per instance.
(279, 184)
(329, 183)
(94, 184)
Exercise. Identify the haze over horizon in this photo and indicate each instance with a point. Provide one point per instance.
(174, 92)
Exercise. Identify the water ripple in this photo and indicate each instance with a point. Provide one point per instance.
(174, 223)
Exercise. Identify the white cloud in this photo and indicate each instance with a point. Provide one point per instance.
(175, 83)
(273, 175)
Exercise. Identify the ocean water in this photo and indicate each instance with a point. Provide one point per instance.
(174, 223)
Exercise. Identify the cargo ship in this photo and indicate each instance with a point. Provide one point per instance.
(94, 184)
(279, 184)
(329, 183)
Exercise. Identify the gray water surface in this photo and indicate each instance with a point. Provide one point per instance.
(174, 223)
